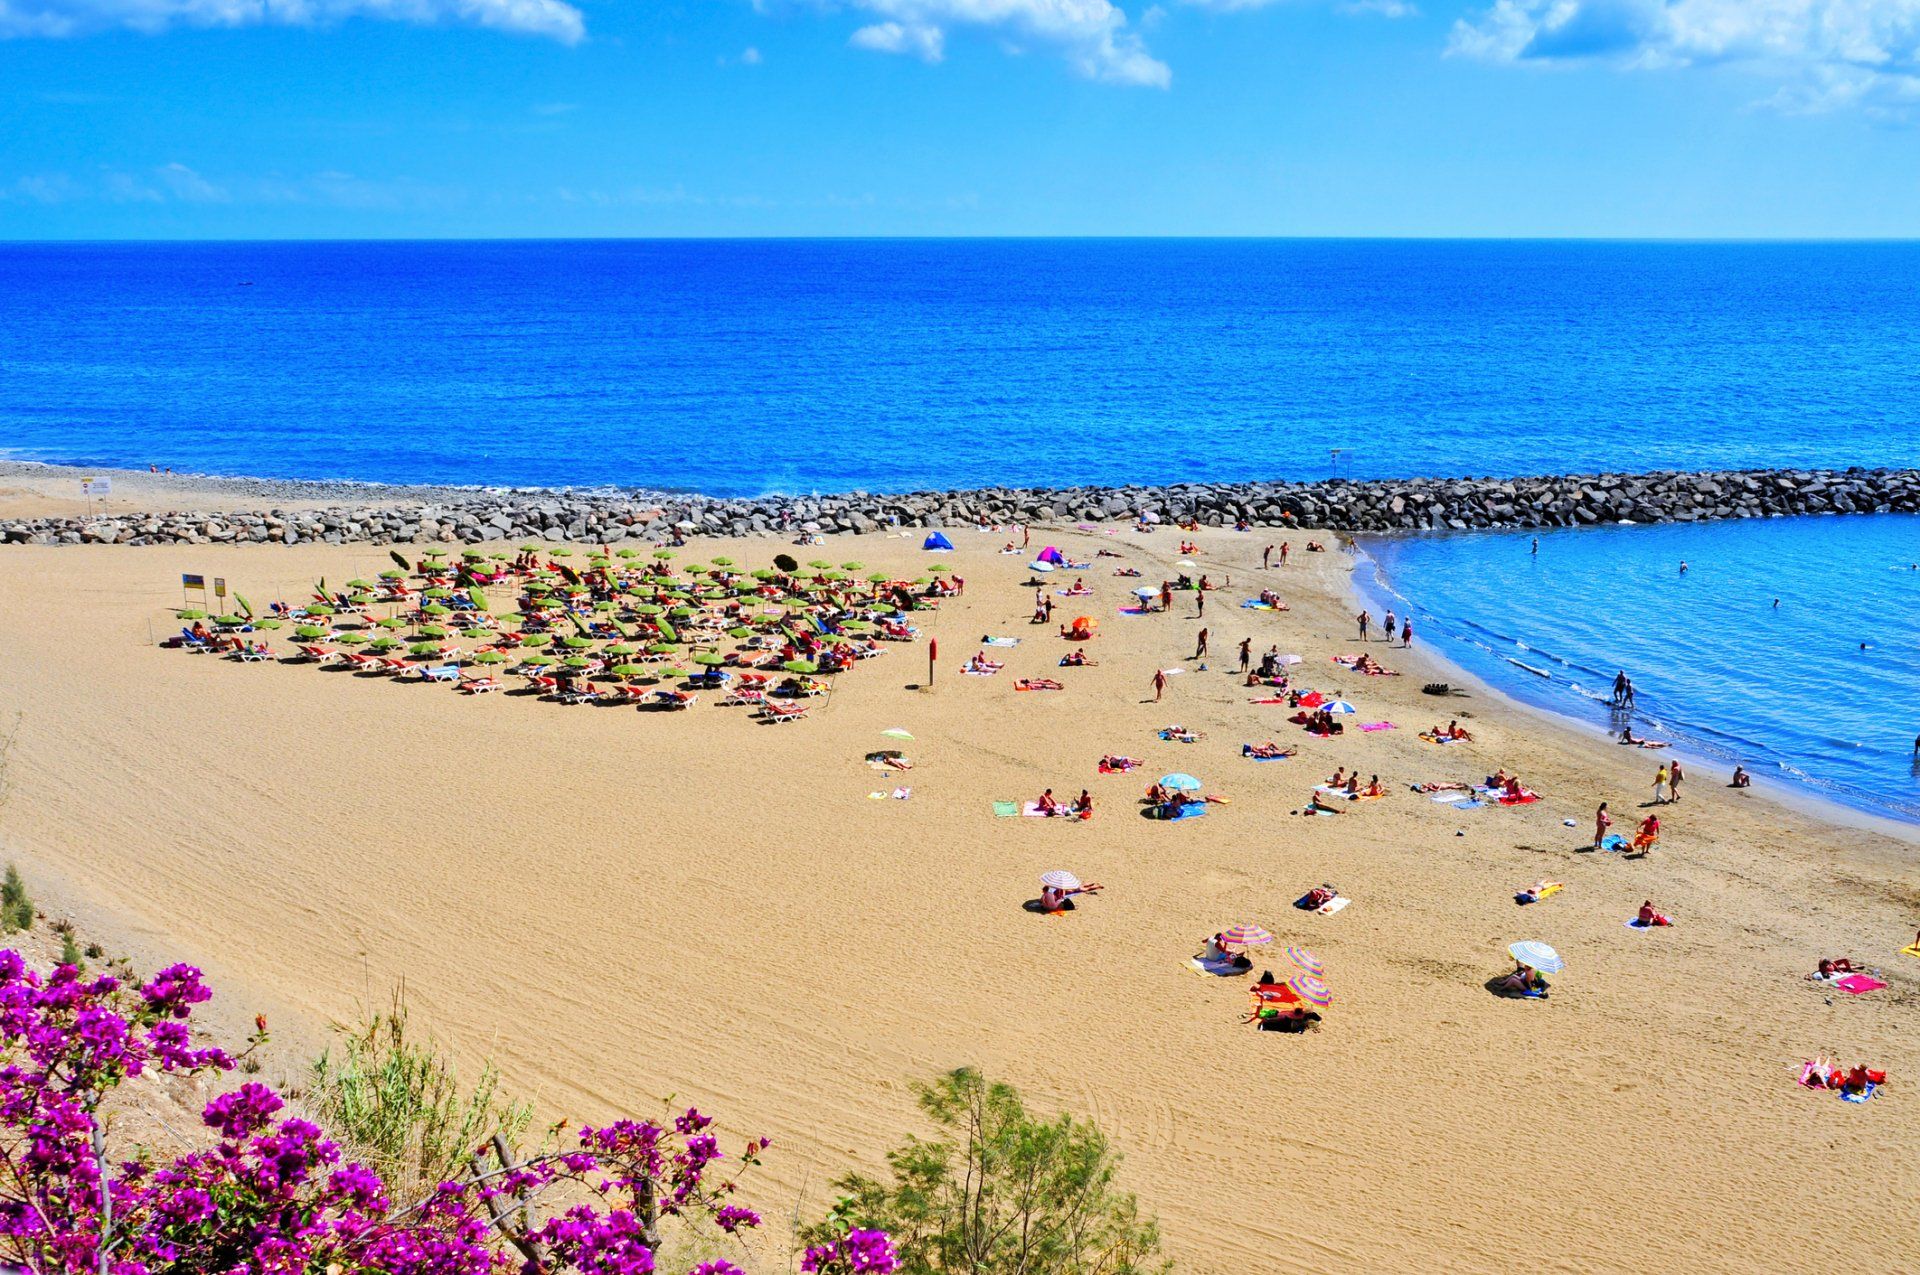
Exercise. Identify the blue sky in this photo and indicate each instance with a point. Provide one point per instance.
(246, 118)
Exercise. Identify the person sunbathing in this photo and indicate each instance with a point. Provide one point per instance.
(1075, 659)
(981, 664)
(1454, 731)
(1833, 968)
(1514, 792)
(1857, 1080)
(1113, 765)
(1338, 779)
(1214, 951)
(1447, 785)
(1524, 981)
(1047, 805)
(1269, 749)
(1296, 1020)
(1054, 899)
(1082, 805)
(1320, 801)
(1129, 573)
(1535, 892)
(1353, 784)
(1038, 684)
(1314, 546)
(1157, 795)
(1649, 918)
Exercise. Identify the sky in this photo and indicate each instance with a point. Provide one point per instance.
(562, 118)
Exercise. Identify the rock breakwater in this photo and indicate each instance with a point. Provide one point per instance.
(400, 516)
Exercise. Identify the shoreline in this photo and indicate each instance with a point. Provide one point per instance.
(1792, 796)
(381, 513)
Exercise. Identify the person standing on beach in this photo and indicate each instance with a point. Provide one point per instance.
(1200, 601)
(1363, 619)
(1390, 624)
(1406, 631)
(1200, 646)
(1166, 596)
(1601, 822)
(1246, 654)
(1674, 776)
(1284, 549)
(1659, 783)
(1159, 683)
(1620, 689)
(1266, 557)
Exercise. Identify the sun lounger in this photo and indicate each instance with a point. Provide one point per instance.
(750, 695)
(312, 652)
(771, 712)
(478, 685)
(391, 664)
(439, 673)
(255, 655)
(674, 700)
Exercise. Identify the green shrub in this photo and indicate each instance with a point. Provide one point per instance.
(401, 1106)
(999, 1192)
(70, 951)
(16, 909)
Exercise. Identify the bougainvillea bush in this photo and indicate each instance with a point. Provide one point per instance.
(270, 1193)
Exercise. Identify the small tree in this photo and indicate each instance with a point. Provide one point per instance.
(70, 951)
(1000, 1192)
(16, 909)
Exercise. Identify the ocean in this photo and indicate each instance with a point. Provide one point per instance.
(1787, 645)
(741, 367)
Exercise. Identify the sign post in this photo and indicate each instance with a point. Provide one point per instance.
(192, 582)
(91, 487)
(933, 653)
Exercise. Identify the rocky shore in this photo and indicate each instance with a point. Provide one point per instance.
(371, 514)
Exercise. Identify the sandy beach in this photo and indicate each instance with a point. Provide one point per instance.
(618, 906)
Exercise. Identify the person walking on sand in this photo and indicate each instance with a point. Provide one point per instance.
(1363, 619)
(1674, 776)
(1200, 646)
(1159, 684)
(1601, 822)
(1200, 601)
(1246, 654)
(1659, 782)
(1406, 631)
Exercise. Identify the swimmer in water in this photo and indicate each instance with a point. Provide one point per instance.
(1683, 568)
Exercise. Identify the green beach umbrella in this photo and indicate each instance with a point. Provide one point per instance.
(739, 631)
(723, 562)
(536, 639)
(433, 631)
(819, 564)
(476, 634)
(351, 639)
(538, 661)
(629, 553)
(574, 643)
(392, 575)
(191, 613)
(478, 597)
(362, 584)
(710, 659)
(629, 670)
(271, 624)
(321, 608)
(310, 632)
(663, 554)
(434, 608)
(423, 648)
(490, 657)
(229, 619)
(622, 648)
(576, 661)
(664, 648)
(391, 622)
(382, 644)
(562, 553)
(801, 666)
(437, 592)
(764, 573)
(853, 566)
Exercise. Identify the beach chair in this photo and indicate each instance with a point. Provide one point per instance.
(581, 694)
(675, 700)
(478, 685)
(749, 695)
(632, 694)
(439, 673)
(254, 656)
(309, 651)
(545, 683)
(359, 660)
(391, 664)
(771, 712)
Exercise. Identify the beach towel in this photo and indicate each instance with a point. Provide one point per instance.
(1378, 726)
(1271, 699)
(1858, 984)
(1037, 684)
(1193, 810)
(1524, 799)
(1005, 809)
(1614, 843)
(1862, 1096)
(1249, 755)
(979, 672)
(1468, 805)
(1032, 811)
(1639, 928)
(1450, 796)
(1432, 738)
(1255, 604)
(1133, 610)
(1333, 905)
(1911, 949)
(1000, 641)
(1547, 891)
(1218, 968)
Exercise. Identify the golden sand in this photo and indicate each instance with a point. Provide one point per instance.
(618, 906)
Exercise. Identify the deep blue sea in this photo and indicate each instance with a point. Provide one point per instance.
(738, 367)
(1820, 693)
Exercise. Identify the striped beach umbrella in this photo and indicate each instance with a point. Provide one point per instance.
(1060, 879)
(1307, 961)
(1537, 954)
(1246, 936)
(1311, 989)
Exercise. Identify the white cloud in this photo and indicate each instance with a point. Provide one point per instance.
(554, 19)
(1091, 34)
(1378, 8)
(750, 56)
(1830, 53)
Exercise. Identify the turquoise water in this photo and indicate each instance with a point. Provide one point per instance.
(1787, 691)
(741, 367)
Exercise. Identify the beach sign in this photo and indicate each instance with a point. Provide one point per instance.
(96, 486)
(192, 582)
(219, 587)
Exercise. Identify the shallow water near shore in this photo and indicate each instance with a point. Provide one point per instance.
(1786, 690)
(741, 367)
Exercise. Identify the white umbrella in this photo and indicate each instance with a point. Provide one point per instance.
(1337, 706)
(1060, 879)
(1537, 954)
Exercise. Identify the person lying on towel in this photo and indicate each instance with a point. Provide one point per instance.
(1266, 750)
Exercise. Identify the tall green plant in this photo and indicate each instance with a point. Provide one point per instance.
(16, 909)
(402, 1106)
(999, 1192)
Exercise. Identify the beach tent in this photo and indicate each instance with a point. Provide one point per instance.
(937, 541)
(1051, 554)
